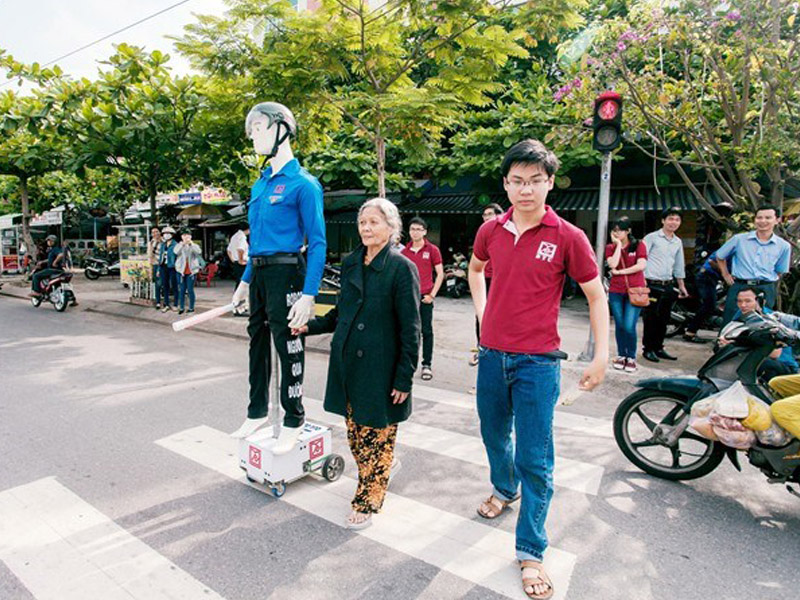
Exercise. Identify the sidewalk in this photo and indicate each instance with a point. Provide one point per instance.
(454, 332)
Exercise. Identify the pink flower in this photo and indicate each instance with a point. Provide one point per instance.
(621, 46)
(577, 83)
(734, 15)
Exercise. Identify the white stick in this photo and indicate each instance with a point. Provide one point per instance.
(203, 317)
(569, 395)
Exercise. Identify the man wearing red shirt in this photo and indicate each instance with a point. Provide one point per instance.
(428, 260)
(532, 251)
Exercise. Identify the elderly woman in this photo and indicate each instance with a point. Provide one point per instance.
(374, 351)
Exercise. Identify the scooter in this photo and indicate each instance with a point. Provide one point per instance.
(456, 283)
(684, 310)
(95, 267)
(58, 291)
(651, 425)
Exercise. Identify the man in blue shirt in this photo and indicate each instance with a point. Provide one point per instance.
(759, 258)
(55, 264)
(285, 211)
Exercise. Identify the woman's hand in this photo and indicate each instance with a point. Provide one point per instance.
(300, 330)
(399, 397)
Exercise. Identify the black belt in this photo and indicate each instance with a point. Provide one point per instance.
(275, 259)
(660, 281)
(754, 281)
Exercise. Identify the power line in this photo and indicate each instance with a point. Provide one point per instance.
(110, 35)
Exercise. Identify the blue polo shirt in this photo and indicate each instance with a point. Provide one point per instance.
(754, 259)
(285, 210)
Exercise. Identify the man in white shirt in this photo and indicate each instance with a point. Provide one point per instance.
(238, 253)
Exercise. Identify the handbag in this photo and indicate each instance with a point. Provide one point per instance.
(637, 296)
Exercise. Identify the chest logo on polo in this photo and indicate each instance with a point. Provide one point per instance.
(279, 189)
(274, 199)
(426, 255)
(546, 251)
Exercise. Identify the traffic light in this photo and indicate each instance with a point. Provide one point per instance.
(607, 121)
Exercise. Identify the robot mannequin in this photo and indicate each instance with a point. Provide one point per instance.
(285, 210)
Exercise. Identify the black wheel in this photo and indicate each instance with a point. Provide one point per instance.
(279, 489)
(333, 467)
(36, 301)
(635, 420)
(59, 299)
(91, 274)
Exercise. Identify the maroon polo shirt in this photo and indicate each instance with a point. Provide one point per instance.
(521, 313)
(628, 258)
(426, 258)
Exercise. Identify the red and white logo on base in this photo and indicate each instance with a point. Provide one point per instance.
(316, 448)
(255, 457)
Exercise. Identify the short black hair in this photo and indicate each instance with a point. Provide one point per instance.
(418, 221)
(672, 210)
(495, 208)
(244, 226)
(768, 207)
(759, 294)
(530, 152)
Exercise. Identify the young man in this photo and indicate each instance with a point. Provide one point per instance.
(428, 260)
(759, 258)
(238, 252)
(532, 250)
(665, 263)
(55, 264)
(153, 249)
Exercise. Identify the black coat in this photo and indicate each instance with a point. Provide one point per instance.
(375, 344)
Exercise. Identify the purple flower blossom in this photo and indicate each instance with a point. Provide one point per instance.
(577, 83)
(621, 46)
(734, 15)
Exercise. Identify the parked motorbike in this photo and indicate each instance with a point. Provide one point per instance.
(332, 277)
(455, 276)
(95, 267)
(58, 291)
(684, 310)
(651, 425)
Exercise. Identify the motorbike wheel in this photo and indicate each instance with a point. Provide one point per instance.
(634, 421)
(91, 274)
(59, 299)
(36, 301)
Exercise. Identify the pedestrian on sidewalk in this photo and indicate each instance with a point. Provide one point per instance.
(188, 263)
(166, 264)
(492, 211)
(759, 258)
(665, 265)
(153, 249)
(428, 260)
(238, 251)
(374, 352)
(532, 250)
(627, 258)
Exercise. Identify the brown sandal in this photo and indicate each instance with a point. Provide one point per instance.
(493, 507)
(538, 578)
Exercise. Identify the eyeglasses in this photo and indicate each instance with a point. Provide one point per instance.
(519, 184)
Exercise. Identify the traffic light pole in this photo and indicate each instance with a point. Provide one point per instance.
(600, 244)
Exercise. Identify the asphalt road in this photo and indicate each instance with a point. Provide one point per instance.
(105, 483)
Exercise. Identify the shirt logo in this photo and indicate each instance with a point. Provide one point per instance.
(546, 251)
(426, 255)
(279, 188)
(274, 199)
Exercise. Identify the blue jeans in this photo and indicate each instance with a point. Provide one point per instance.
(187, 285)
(626, 315)
(520, 391)
(157, 281)
(169, 282)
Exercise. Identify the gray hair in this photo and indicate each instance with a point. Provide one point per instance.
(390, 214)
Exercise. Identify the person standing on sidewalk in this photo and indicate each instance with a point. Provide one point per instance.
(187, 266)
(153, 249)
(166, 264)
(627, 258)
(665, 264)
(532, 250)
(238, 252)
(492, 211)
(428, 259)
(760, 257)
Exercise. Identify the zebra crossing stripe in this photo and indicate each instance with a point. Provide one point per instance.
(568, 473)
(476, 552)
(62, 548)
(562, 419)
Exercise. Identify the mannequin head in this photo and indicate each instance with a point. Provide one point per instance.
(270, 125)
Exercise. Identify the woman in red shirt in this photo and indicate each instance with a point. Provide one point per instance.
(626, 257)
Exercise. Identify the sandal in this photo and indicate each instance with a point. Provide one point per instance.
(364, 520)
(493, 507)
(536, 578)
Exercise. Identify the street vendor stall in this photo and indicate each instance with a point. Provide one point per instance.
(10, 237)
(134, 266)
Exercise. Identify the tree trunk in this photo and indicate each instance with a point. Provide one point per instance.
(26, 217)
(151, 192)
(380, 155)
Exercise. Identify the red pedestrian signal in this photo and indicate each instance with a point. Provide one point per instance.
(607, 122)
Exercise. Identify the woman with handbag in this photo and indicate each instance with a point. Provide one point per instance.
(627, 294)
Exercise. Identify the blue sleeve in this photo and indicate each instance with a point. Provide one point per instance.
(248, 273)
(313, 219)
(728, 248)
(784, 259)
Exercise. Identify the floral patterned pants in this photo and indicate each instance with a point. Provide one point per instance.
(373, 450)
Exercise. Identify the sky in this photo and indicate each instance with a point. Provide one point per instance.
(42, 30)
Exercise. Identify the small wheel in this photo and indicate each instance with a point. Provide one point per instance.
(333, 467)
(91, 274)
(60, 299)
(279, 489)
(36, 301)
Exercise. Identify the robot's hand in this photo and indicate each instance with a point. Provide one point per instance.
(241, 294)
(301, 311)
